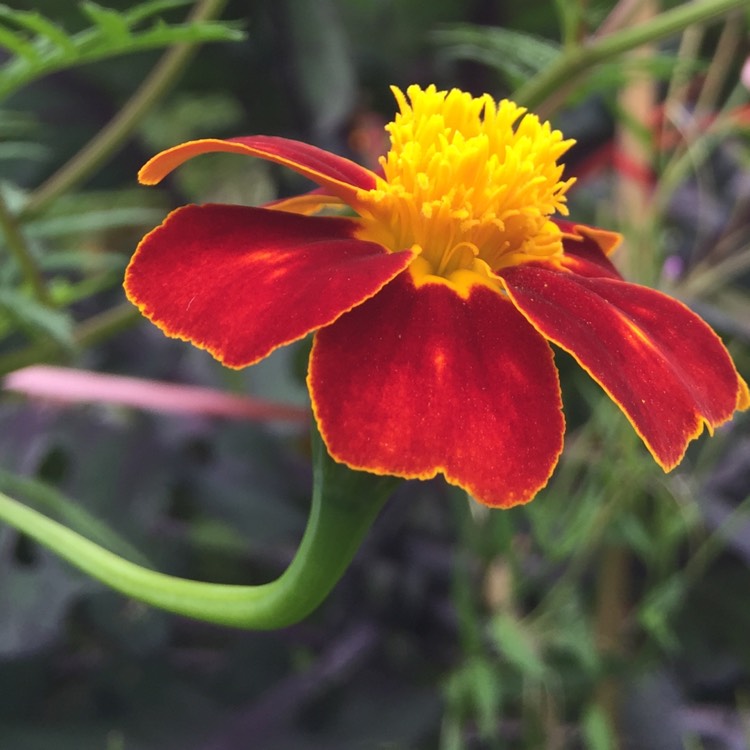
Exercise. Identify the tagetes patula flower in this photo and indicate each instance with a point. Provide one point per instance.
(435, 307)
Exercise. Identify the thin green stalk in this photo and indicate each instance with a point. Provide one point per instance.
(344, 505)
(728, 46)
(53, 501)
(92, 331)
(694, 152)
(18, 246)
(164, 75)
(576, 61)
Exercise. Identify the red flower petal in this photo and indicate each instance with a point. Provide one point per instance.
(665, 368)
(604, 239)
(338, 175)
(420, 381)
(241, 281)
(586, 250)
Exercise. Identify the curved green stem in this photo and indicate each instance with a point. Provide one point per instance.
(344, 505)
(577, 60)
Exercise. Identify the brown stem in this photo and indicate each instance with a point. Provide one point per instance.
(612, 602)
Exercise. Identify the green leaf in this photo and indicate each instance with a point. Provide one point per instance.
(52, 49)
(515, 55)
(596, 730)
(44, 29)
(659, 606)
(145, 10)
(15, 43)
(323, 61)
(485, 693)
(517, 645)
(162, 35)
(110, 22)
(97, 220)
(23, 150)
(36, 319)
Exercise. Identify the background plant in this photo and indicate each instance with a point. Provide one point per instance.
(612, 609)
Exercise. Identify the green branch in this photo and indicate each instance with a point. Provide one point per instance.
(344, 505)
(19, 248)
(575, 61)
(164, 75)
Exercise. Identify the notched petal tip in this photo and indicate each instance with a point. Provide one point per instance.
(664, 367)
(418, 381)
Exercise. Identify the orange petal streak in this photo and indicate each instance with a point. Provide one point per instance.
(241, 281)
(339, 176)
(308, 204)
(417, 382)
(665, 368)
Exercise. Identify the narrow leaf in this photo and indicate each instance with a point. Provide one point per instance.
(162, 35)
(39, 321)
(95, 220)
(43, 27)
(22, 150)
(14, 42)
(148, 9)
(112, 25)
(596, 730)
(517, 646)
(512, 53)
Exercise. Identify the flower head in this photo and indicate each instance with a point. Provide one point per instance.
(434, 307)
(470, 183)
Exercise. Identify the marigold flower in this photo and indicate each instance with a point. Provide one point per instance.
(434, 306)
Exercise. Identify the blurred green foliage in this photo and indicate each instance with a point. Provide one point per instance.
(612, 611)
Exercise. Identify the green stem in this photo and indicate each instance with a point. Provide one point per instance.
(128, 118)
(344, 505)
(19, 248)
(575, 61)
(52, 501)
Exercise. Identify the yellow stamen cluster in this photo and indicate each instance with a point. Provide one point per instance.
(469, 183)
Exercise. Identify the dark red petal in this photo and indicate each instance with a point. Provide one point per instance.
(606, 240)
(416, 382)
(665, 368)
(586, 250)
(339, 176)
(241, 281)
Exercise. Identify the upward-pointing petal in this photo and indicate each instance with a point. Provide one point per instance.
(340, 177)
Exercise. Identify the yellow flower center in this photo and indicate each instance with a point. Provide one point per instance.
(470, 184)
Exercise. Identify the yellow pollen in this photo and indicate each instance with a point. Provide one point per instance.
(470, 184)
